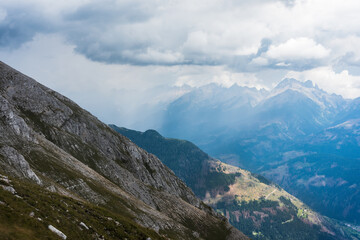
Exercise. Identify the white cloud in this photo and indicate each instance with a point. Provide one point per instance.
(298, 49)
(196, 42)
(261, 61)
(153, 56)
(348, 45)
(2, 14)
(282, 64)
(202, 75)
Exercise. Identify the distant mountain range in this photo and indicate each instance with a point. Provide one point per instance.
(293, 134)
(66, 175)
(254, 205)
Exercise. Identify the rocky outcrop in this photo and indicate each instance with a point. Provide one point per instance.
(18, 163)
(57, 232)
(51, 141)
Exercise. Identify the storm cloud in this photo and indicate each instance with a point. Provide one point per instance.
(157, 49)
(303, 34)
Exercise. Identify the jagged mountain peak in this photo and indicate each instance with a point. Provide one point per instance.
(213, 97)
(323, 99)
(292, 82)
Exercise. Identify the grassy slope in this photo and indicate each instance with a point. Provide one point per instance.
(265, 211)
(62, 212)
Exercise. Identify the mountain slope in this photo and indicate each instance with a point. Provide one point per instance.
(183, 157)
(51, 141)
(254, 205)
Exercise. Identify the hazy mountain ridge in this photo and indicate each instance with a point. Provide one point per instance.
(214, 108)
(251, 203)
(237, 108)
(293, 118)
(48, 139)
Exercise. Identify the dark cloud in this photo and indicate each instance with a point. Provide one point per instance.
(117, 32)
(110, 12)
(265, 44)
(20, 26)
(288, 3)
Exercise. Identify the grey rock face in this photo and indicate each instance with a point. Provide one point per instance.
(9, 189)
(16, 124)
(75, 154)
(57, 232)
(18, 163)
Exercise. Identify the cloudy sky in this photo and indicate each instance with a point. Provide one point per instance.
(124, 60)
